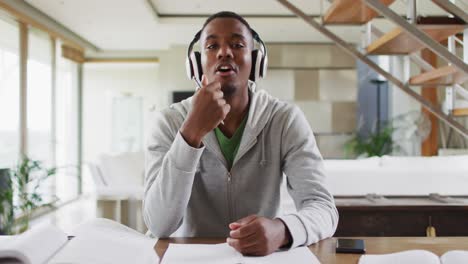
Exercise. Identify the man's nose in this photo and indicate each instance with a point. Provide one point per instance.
(225, 51)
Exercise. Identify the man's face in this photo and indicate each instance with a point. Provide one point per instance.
(226, 54)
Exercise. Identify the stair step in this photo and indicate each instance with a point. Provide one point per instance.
(439, 77)
(460, 112)
(351, 12)
(399, 41)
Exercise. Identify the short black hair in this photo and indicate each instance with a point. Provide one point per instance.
(228, 14)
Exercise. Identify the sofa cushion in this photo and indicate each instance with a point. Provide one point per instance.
(366, 163)
(397, 181)
(125, 169)
(450, 162)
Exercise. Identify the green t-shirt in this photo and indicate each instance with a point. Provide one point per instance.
(229, 146)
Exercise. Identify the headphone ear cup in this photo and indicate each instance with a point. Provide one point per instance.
(263, 66)
(193, 66)
(198, 71)
(189, 67)
(253, 71)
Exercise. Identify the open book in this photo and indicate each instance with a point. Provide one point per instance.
(225, 254)
(97, 241)
(417, 256)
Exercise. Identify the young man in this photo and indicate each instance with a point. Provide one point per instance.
(214, 162)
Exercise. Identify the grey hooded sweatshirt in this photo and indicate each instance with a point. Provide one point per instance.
(192, 188)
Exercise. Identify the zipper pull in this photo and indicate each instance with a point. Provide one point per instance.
(229, 177)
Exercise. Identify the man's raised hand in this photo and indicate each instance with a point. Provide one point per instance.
(209, 109)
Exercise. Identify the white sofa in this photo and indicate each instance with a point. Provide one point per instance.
(398, 176)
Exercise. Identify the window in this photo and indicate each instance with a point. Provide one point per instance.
(39, 95)
(9, 93)
(39, 104)
(66, 133)
(51, 108)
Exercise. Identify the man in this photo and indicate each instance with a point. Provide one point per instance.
(214, 162)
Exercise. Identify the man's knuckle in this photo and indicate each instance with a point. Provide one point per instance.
(261, 228)
(242, 244)
(233, 243)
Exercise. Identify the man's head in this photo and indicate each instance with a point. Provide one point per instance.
(226, 51)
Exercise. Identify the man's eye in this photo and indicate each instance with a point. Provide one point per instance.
(239, 45)
(212, 46)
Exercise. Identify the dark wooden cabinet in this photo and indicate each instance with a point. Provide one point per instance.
(401, 217)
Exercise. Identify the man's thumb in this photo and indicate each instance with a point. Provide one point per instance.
(204, 81)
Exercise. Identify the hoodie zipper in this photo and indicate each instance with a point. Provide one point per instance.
(229, 184)
(229, 194)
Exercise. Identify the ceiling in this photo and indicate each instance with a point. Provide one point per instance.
(145, 25)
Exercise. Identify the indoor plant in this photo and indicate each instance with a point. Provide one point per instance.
(378, 143)
(23, 194)
(6, 202)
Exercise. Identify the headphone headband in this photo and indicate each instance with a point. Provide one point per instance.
(194, 40)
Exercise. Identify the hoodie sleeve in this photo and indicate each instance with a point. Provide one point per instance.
(170, 165)
(317, 216)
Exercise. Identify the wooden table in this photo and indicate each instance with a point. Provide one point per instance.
(325, 249)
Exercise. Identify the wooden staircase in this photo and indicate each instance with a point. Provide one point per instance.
(399, 41)
(445, 76)
(354, 12)
(406, 39)
(460, 112)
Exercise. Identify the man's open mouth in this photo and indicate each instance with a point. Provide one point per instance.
(225, 69)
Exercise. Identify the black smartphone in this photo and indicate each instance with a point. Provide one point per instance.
(350, 246)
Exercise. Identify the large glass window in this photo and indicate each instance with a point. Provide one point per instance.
(39, 105)
(9, 92)
(39, 96)
(51, 104)
(66, 134)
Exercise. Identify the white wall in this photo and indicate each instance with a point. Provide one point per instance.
(100, 83)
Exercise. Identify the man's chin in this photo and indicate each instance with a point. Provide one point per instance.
(228, 89)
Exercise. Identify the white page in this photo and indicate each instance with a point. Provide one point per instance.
(403, 257)
(300, 255)
(35, 245)
(5, 241)
(455, 257)
(201, 254)
(105, 241)
(225, 254)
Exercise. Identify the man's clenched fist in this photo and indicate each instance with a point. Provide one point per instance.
(208, 110)
(258, 236)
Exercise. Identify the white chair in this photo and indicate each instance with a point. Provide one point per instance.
(119, 180)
